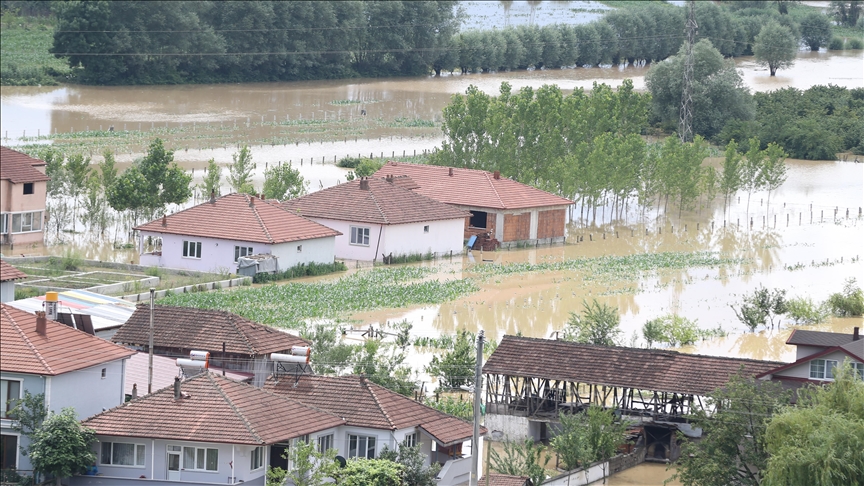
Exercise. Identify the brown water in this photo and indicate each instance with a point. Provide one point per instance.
(645, 474)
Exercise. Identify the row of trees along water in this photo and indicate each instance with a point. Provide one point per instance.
(193, 42)
(102, 198)
(587, 146)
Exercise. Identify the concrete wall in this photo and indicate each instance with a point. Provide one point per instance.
(87, 391)
(343, 247)
(598, 470)
(35, 385)
(318, 250)
(217, 255)
(513, 427)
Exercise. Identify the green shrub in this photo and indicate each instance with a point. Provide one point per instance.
(349, 162)
(300, 270)
(672, 330)
(26, 292)
(153, 271)
(802, 310)
(836, 44)
(70, 261)
(855, 44)
(367, 167)
(849, 302)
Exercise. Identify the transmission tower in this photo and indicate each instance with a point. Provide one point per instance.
(685, 123)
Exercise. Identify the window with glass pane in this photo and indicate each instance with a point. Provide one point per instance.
(325, 443)
(829, 369)
(257, 458)
(4, 223)
(122, 454)
(188, 458)
(411, 440)
(10, 393)
(199, 458)
(192, 249)
(359, 236)
(817, 369)
(361, 446)
(212, 460)
(105, 458)
(242, 251)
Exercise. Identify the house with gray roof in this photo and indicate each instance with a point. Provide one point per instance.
(818, 354)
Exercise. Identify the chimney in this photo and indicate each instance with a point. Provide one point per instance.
(251, 201)
(134, 391)
(856, 335)
(451, 172)
(389, 178)
(496, 175)
(42, 323)
(364, 184)
(213, 196)
(164, 220)
(177, 388)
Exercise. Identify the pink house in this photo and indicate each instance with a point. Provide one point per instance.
(23, 188)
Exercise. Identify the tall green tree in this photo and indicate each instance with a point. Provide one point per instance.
(240, 171)
(282, 182)
(730, 178)
(587, 437)
(774, 172)
(416, 471)
(776, 47)
(384, 365)
(732, 449)
(597, 324)
(815, 30)
(77, 173)
(107, 170)
(819, 442)
(751, 172)
(212, 182)
(455, 367)
(61, 446)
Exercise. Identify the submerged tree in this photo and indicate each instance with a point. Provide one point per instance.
(587, 437)
(240, 171)
(761, 306)
(815, 30)
(597, 324)
(775, 47)
(212, 182)
(521, 458)
(773, 172)
(731, 177)
(455, 367)
(282, 182)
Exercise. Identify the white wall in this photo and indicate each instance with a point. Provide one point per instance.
(86, 390)
(514, 428)
(804, 351)
(443, 237)
(217, 255)
(343, 247)
(7, 291)
(319, 250)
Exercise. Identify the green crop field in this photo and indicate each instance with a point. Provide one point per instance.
(24, 58)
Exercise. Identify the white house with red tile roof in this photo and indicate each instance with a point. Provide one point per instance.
(511, 212)
(206, 430)
(70, 367)
(377, 219)
(376, 417)
(8, 276)
(211, 236)
(23, 188)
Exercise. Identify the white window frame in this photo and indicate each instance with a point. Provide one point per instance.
(360, 235)
(5, 406)
(410, 440)
(823, 369)
(325, 443)
(135, 446)
(257, 458)
(194, 246)
(35, 216)
(364, 439)
(242, 251)
(4, 223)
(859, 367)
(206, 450)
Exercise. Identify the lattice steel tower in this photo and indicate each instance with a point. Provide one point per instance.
(685, 123)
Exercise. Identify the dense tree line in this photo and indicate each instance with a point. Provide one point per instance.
(181, 42)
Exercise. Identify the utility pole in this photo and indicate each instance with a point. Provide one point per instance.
(685, 123)
(150, 346)
(478, 389)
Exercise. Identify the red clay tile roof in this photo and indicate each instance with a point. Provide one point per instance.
(383, 203)
(644, 369)
(504, 480)
(472, 188)
(818, 338)
(62, 349)
(203, 329)
(240, 217)
(18, 167)
(8, 272)
(218, 410)
(365, 404)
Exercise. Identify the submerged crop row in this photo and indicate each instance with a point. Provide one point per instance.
(616, 267)
(290, 304)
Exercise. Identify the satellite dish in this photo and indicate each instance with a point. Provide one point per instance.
(341, 461)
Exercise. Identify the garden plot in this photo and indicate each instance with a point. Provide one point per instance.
(101, 282)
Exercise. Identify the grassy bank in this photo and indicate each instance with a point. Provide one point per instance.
(26, 60)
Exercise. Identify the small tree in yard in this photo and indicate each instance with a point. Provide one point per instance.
(370, 472)
(598, 324)
(61, 446)
(240, 172)
(775, 47)
(521, 459)
(588, 437)
(310, 467)
(761, 306)
(416, 472)
(282, 182)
